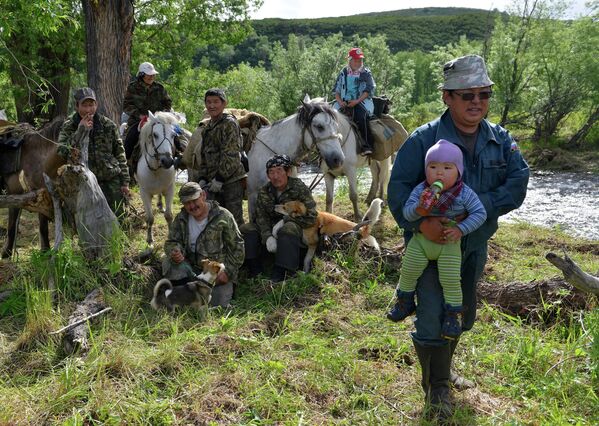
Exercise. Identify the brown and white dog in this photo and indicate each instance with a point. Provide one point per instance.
(329, 224)
(195, 293)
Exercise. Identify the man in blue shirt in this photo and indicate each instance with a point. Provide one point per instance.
(495, 170)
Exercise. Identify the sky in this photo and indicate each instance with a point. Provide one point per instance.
(291, 9)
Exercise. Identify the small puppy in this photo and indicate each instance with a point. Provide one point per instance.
(329, 224)
(195, 293)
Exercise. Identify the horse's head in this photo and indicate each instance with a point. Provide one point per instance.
(319, 121)
(157, 139)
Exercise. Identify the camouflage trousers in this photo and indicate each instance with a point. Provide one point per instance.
(231, 198)
(251, 237)
(114, 196)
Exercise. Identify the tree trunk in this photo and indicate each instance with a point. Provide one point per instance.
(574, 275)
(584, 130)
(109, 31)
(37, 201)
(95, 222)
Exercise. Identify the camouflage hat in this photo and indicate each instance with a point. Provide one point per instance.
(216, 92)
(279, 160)
(466, 72)
(83, 94)
(190, 191)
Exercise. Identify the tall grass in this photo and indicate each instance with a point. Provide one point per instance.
(315, 349)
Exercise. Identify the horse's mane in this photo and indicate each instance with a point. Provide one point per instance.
(307, 111)
(48, 131)
(51, 130)
(162, 117)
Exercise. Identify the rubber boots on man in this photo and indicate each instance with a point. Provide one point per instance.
(286, 257)
(458, 382)
(253, 250)
(435, 363)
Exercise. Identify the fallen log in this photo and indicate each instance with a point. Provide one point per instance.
(532, 300)
(37, 201)
(573, 274)
(76, 335)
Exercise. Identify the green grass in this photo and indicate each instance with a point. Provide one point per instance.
(315, 350)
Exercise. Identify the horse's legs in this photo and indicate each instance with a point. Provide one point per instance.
(11, 232)
(147, 200)
(159, 204)
(375, 183)
(168, 199)
(352, 180)
(329, 181)
(43, 231)
(385, 175)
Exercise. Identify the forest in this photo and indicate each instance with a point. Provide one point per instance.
(544, 67)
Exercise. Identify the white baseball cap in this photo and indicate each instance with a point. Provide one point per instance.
(147, 68)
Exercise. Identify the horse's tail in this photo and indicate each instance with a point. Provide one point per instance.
(159, 297)
(372, 215)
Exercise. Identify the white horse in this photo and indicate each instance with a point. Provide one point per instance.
(288, 137)
(155, 171)
(314, 124)
(379, 170)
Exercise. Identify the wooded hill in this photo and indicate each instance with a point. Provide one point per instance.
(405, 30)
(411, 29)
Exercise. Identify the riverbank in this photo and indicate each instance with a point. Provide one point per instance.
(558, 159)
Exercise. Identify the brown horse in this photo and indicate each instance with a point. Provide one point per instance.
(38, 156)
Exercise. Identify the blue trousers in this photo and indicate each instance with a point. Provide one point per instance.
(429, 294)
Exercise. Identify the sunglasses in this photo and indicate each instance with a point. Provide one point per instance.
(469, 96)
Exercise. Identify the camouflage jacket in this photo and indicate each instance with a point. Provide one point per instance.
(220, 241)
(221, 146)
(141, 98)
(266, 217)
(106, 152)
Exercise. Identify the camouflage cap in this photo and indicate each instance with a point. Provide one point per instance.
(190, 191)
(466, 72)
(216, 92)
(83, 94)
(279, 160)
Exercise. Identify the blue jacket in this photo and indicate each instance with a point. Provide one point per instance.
(497, 173)
(366, 84)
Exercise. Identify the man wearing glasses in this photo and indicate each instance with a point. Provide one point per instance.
(496, 171)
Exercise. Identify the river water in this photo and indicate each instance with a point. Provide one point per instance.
(568, 201)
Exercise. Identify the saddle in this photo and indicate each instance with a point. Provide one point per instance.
(11, 139)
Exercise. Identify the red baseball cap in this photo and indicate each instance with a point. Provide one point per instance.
(355, 53)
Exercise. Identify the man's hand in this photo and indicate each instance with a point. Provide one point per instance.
(353, 103)
(177, 256)
(125, 191)
(215, 185)
(453, 234)
(87, 121)
(222, 278)
(271, 244)
(433, 230)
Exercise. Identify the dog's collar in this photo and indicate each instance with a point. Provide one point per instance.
(202, 280)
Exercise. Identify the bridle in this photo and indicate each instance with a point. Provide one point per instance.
(304, 148)
(158, 156)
